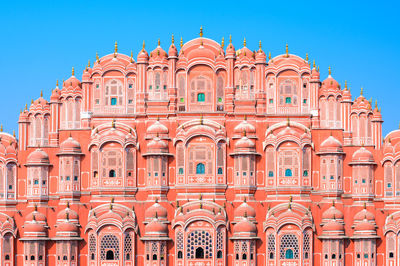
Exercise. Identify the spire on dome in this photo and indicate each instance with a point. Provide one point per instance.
(1, 128)
(345, 84)
(172, 39)
(244, 42)
(230, 38)
(223, 43)
(201, 31)
(14, 133)
(260, 45)
(131, 56)
(181, 44)
(307, 57)
(97, 57)
(329, 70)
(73, 71)
(144, 45)
(362, 91)
(287, 50)
(158, 42)
(376, 104)
(269, 56)
(57, 83)
(41, 93)
(115, 49)
(313, 64)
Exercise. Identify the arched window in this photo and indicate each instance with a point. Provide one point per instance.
(180, 254)
(111, 173)
(113, 93)
(92, 246)
(200, 169)
(219, 254)
(244, 256)
(288, 172)
(110, 255)
(289, 254)
(199, 253)
(154, 256)
(201, 97)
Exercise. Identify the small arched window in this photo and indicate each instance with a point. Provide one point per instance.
(288, 172)
(244, 256)
(180, 254)
(219, 254)
(111, 173)
(220, 170)
(7, 257)
(201, 97)
(154, 256)
(200, 168)
(110, 255)
(199, 253)
(289, 254)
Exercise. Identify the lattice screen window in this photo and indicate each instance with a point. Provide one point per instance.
(128, 247)
(289, 247)
(388, 174)
(112, 164)
(220, 243)
(113, 92)
(306, 245)
(154, 250)
(199, 245)
(7, 249)
(92, 246)
(271, 246)
(109, 247)
(288, 160)
(244, 250)
(391, 245)
(288, 90)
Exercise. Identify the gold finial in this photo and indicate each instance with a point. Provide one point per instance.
(144, 45)
(290, 206)
(26, 107)
(201, 205)
(34, 218)
(73, 71)
(376, 104)
(113, 123)
(201, 196)
(158, 42)
(1, 128)
(269, 56)
(230, 38)
(345, 84)
(288, 121)
(290, 199)
(201, 31)
(333, 203)
(181, 44)
(223, 43)
(244, 133)
(67, 204)
(41, 93)
(89, 63)
(245, 214)
(307, 57)
(115, 47)
(318, 69)
(172, 39)
(362, 91)
(365, 205)
(97, 57)
(131, 57)
(260, 45)
(329, 70)
(57, 83)
(14, 133)
(111, 206)
(313, 64)
(244, 42)
(31, 101)
(287, 49)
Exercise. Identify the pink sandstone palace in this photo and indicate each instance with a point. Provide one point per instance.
(209, 155)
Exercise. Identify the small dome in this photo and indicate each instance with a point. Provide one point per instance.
(55, 95)
(230, 50)
(244, 143)
(40, 101)
(158, 53)
(156, 228)
(245, 126)
(68, 214)
(331, 144)
(261, 58)
(143, 56)
(72, 82)
(363, 155)
(244, 210)
(172, 51)
(314, 74)
(245, 228)
(157, 128)
(67, 227)
(330, 83)
(333, 225)
(35, 215)
(364, 214)
(34, 227)
(157, 144)
(70, 145)
(364, 225)
(156, 210)
(332, 213)
(38, 156)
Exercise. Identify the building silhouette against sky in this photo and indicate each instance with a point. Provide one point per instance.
(201, 155)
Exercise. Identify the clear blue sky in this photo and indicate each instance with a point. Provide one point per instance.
(42, 40)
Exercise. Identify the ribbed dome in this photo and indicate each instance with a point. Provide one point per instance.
(364, 225)
(333, 225)
(230, 50)
(172, 51)
(330, 83)
(244, 210)
(67, 228)
(363, 155)
(331, 144)
(143, 56)
(244, 143)
(72, 82)
(67, 214)
(364, 214)
(156, 210)
(332, 213)
(55, 95)
(70, 145)
(245, 126)
(156, 228)
(245, 228)
(34, 227)
(38, 156)
(157, 128)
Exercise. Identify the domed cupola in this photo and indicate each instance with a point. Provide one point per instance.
(244, 229)
(331, 145)
(70, 146)
(156, 210)
(332, 213)
(55, 94)
(333, 228)
(157, 128)
(35, 225)
(172, 52)
(230, 50)
(143, 56)
(244, 127)
(158, 55)
(363, 156)
(72, 82)
(244, 144)
(314, 72)
(38, 157)
(330, 84)
(260, 55)
(243, 210)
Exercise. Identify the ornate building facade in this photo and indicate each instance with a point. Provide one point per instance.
(206, 156)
